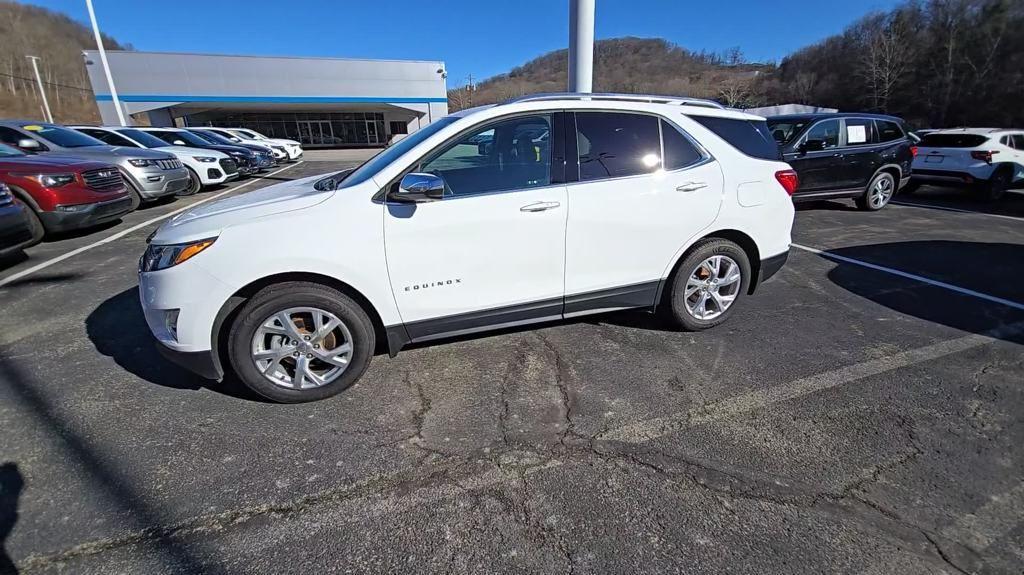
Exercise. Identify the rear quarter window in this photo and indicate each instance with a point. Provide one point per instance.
(748, 136)
(952, 140)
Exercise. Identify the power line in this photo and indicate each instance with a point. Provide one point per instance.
(45, 82)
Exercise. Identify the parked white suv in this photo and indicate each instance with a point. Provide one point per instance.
(986, 159)
(293, 148)
(279, 151)
(631, 203)
(205, 167)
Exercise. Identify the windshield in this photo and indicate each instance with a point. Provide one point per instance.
(143, 138)
(785, 131)
(188, 137)
(8, 152)
(63, 137)
(213, 137)
(375, 164)
(249, 134)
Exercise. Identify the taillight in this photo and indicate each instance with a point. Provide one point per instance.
(913, 151)
(984, 156)
(788, 179)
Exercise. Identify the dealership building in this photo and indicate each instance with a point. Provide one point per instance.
(317, 101)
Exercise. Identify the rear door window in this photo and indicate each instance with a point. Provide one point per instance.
(888, 131)
(1018, 141)
(860, 132)
(614, 145)
(751, 137)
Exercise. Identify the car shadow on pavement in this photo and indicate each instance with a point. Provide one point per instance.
(11, 485)
(118, 330)
(994, 269)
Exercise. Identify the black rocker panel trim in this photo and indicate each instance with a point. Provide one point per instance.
(630, 296)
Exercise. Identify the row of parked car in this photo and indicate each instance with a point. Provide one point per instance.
(56, 178)
(870, 157)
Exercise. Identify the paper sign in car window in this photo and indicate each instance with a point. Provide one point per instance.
(856, 134)
(32, 128)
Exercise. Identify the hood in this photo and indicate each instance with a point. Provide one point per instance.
(187, 151)
(283, 142)
(49, 163)
(209, 219)
(114, 152)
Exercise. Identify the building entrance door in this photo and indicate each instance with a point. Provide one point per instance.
(371, 132)
(315, 132)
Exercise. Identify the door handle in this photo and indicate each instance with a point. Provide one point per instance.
(539, 206)
(691, 186)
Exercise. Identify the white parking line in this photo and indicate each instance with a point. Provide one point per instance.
(959, 210)
(922, 279)
(113, 237)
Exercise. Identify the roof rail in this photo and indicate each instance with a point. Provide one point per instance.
(653, 99)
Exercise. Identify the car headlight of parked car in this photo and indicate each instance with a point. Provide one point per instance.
(205, 159)
(141, 163)
(49, 180)
(160, 257)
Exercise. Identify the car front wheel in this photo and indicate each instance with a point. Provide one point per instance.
(707, 284)
(296, 342)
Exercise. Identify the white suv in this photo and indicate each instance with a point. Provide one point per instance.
(205, 167)
(279, 151)
(632, 202)
(987, 159)
(293, 148)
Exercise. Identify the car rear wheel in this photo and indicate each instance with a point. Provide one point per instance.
(194, 183)
(997, 185)
(878, 194)
(707, 284)
(297, 342)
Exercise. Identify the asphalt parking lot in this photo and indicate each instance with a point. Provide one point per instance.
(861, 414)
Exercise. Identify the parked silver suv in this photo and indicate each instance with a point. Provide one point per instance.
(152, 174)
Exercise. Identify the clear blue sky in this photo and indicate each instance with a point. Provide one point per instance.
(482, 37)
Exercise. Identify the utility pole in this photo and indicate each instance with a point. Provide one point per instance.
(106, 66)
(470, 88)
(581, 45)
(42, 92)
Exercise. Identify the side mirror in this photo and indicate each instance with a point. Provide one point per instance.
(180, 143)
(812, 146)
(416, 188)
(29, 145)
(326, 185)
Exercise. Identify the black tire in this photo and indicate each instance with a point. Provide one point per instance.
(35, 225)
(996, 186)
(865, 202)
(698, 254)
(194, 183)
(279, 297)
(136, 196)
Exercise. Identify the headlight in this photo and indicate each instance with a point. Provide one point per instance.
(49, 180)
(141, 163)
(205, 159)
(158, 258)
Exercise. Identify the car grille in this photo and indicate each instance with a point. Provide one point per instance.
(172, 164)
(104, 179)
(229, 166)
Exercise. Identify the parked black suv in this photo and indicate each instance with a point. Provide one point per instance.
(866, 157)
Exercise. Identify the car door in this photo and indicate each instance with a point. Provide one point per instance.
(644, 189)
(860, 154)
(492, 251)
(818, 168)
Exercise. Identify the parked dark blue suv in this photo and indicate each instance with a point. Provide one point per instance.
(866, 157)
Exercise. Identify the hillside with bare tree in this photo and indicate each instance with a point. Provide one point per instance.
(58, 40)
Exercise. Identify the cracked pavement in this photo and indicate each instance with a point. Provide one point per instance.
(843, 421)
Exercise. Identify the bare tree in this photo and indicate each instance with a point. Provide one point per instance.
(886, 58)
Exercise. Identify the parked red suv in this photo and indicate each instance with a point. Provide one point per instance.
(64, 192)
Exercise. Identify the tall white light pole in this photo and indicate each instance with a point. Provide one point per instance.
(42, 92)
(581, 45)
(106, 66)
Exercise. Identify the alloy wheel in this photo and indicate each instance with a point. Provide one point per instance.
(880, 193)
(302, 348)
(712, 287)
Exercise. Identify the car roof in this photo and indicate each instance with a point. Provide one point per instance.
(826, 115)
(976, 131)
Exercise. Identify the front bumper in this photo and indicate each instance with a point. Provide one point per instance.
(157, 183)
(87, 215)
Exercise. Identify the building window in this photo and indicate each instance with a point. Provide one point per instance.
(399, 128)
